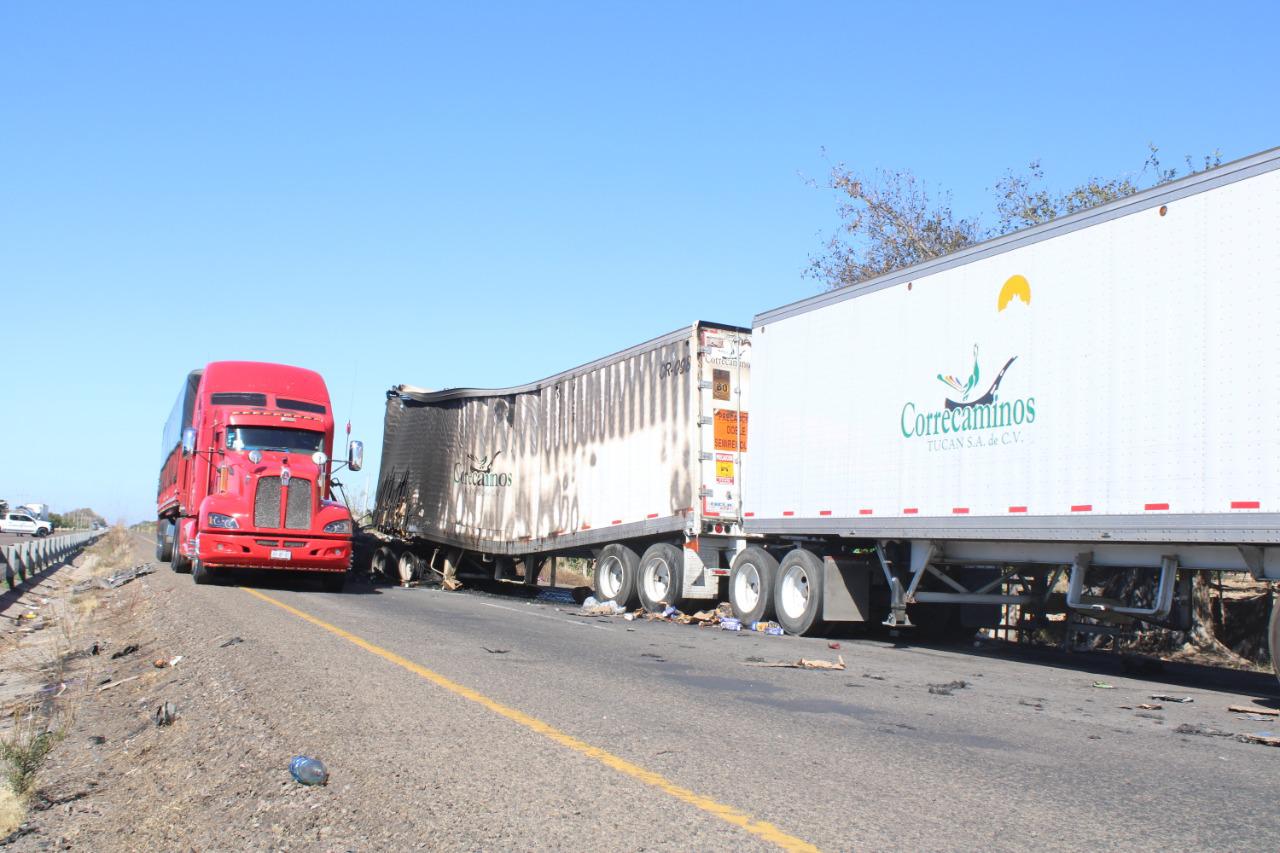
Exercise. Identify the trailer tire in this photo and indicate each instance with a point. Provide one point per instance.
(617, 570)
(200, 573)
(661, 578)
(1273, 635)
(407, 567)
(384, 563)
(751, 579)
(179, 563)
(797, 593)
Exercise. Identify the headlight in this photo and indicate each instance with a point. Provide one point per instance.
(226, 522)
(338, 527)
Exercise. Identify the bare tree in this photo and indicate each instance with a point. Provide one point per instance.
(889, 219)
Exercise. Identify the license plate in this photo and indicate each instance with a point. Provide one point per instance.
(281, 554)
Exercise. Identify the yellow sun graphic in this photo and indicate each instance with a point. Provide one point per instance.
(1015, 286)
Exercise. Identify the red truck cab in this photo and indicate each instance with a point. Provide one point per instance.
(245, 479)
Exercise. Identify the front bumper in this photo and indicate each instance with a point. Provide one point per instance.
(248, 550)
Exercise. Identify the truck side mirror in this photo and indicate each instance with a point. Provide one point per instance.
(355, 455)
(188, 441)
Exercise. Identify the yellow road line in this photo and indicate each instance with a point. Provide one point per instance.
(728, 814)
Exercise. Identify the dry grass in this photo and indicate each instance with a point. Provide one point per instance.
(41, 721)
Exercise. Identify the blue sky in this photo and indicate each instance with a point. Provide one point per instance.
(484, 194)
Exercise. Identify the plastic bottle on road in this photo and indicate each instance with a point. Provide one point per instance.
(308, 770)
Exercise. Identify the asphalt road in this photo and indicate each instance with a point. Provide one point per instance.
(539, 729)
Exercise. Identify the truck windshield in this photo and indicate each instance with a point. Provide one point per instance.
(274, 438)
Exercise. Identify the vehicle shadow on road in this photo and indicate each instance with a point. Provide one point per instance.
(1148, 668)
(294, 582)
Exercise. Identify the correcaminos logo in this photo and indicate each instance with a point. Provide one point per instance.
(961, 410)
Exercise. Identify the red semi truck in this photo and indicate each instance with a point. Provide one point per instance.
(246, 475)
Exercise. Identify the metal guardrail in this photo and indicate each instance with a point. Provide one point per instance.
(25, 560)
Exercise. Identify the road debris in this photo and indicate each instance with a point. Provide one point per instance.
(114, 581)
(773, 629)
(1197, 729)
(125, 652)
(495, 651)
(947, 689)
(1257, 718)
(1102, 685)
(234, 641)
(308, 770)
(165, 714)
(109, 683)
(592, 607)
(1161, 697)
(161, 663)
(1260, 738)
(1247, 709)
(730, 624)
(803, 663)
(833, 646)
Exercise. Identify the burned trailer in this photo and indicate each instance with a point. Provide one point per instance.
(633, 460)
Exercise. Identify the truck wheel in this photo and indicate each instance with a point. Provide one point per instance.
(179, 563)
(384, 563)
(164, 541)
(616, 571)
(200, 573)
(797, 593)
(661, 577)
(406, 567)
(751, 580)
(1273, 636)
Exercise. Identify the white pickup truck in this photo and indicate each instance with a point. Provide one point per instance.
(21, 522)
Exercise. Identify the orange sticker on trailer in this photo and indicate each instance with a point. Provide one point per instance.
(730, 430)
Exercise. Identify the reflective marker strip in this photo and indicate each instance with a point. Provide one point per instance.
(617, 521)
(1246, 504)
(910, 511)
(1017, 509)
(1155, 506)
(652, 515)
(864, 512)
(959, 510)
(729, 814)
(1082, 508)
(748, 515)
(824, 512)
(788, 512)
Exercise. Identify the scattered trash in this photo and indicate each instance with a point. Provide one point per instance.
(947, 689)
(165, 714)
(1257, 718)
(1102, 685)
(495, 651)
(1197, 729)
(161, 663)
(234, 641)
(1160, 697)
(1038, 704)
(1262, 738)
(308, 770)
(805, 663)
(97, 740)
(111, 683)
(833, 645)
(116, 580)
(767, 628)
(30, 614)
(658, 658)
(730, 624)
(94, 649)
(755, 659)
(590, 601)
(873, 677)
(630, 617)
(125, 652)
(591, 607)
(1149, 706)
(1246, 709)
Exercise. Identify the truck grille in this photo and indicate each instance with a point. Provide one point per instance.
(297, 511)
(266, 506)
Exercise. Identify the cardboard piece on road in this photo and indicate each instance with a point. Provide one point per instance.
(804, 663)
(1246, 709)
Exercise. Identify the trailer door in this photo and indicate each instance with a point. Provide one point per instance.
(724, 365)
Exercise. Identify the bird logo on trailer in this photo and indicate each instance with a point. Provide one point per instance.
(959, 414)
(479, 471)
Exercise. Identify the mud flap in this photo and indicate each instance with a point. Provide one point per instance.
(846, 590)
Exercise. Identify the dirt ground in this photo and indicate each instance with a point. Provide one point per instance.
(116, 780)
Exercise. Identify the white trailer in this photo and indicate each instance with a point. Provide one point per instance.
(1097, 393)
(631, 459)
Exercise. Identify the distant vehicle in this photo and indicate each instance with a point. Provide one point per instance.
(245, 476)
(40, 512)
(21, 522)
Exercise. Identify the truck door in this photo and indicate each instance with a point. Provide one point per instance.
(724, 358)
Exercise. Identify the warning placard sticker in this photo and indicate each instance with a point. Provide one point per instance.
(730, 430)
(724, 468)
